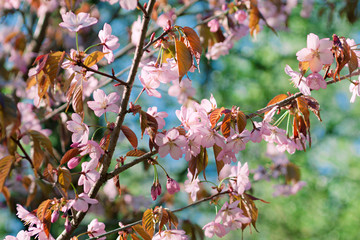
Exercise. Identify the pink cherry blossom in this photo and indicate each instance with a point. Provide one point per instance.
(231, 216)
(93, 149)
(110, 42)
(240, 16)
(219, 49)
(80, 130)
(103, 103)
(213, 25)
(171, 235)
(317, 53)
(26, 216)
(82, 201)
(159, 116)
(136, 31)
(192, 185)
(111, 1)
(172, 186)
(54, 216)
(298, 80)
(286, 190)
(316, 81)
(182, 90)
(227, 155)
(163, 19)
(171, 142)
(88, 175)
(96, 228)
(355, 89)
(73, 162)
(240, 178)
(214, 228)
(128, 4)
(22, 235)
(209, 105)
(150, 85)
(76, 22)
(165, 73)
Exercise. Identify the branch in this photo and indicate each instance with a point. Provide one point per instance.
(102, 73)
(130, 164)
(119, 121)
(288, 100)
(176, 210)
(156, 39)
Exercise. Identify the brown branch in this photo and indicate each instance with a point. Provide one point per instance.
(130, 164)
(176, 210)
(156, 39)
(65, 235)
(288, 100)
(113, 77)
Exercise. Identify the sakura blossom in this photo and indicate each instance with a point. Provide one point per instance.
(104, 103)
(240, 178)
(80, 130)
(22, 235)
(172, 186)
(171, 142)
(150, 85)
(232, 216)
(88, 175)
(159, 116)
(110, 42)
(96, 228)
(192, 185)
(128, 4)
(74, 22)
(182, 90)
(135, 31)
(213, 25)
(93, 149)
(81, 203)
(165, 73)
(171, 235)
(286, 190)
(316, 81)
(298, 80)
(354, 88)
(317, 53)
(215, 228)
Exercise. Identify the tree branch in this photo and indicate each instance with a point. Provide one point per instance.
(176, 210)
(119, 121)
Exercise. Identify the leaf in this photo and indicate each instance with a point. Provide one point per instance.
(130, 135)
(148, 222)
(38, 155)
(5, 191)
(353, 63)
(183, 57)
(215, 116)
(199, 163)
(93, 58)
(43, 82)
(241, 121)
(69, 155)
(303, 67)
(254, 18)
(141, 231)
(277, 99)
(148, 123)
(194, 41)
(164, 219)
(5, 167)
(43, 208)
(43, 140)
(77, 101)
(53, 65)
(135, 153)
(249, 209)
(219, 164)
(143, 122)
(172, 219)
(64, 178)
(8, 114)
(313, 105)
(303, 108)
(225, 126)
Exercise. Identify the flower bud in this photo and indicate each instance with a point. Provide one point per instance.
(73, 162)
(172, 186)
(54, 216)
(153, 192)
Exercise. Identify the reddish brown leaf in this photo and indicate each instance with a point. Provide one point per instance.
(164, 219)
(254, 18)
(116, 180)
(69, 155)
(225, 126)
(313, 105)
(249, 210)
(141, 231)
(64, 178)
(135, 153)
(93, 58)
(215, 116)
(43, 208)
(194, 41)
(8, 115)
(219, 164)
(77, 101)
(42, 139)
(130, 135)
(183, 57)
(172, 219)
(38, 155)
(353, 63)
(199, 163)
(148, 222)
(241, 121)
(53, 65)
(277, 99)
(303, 67)
(303, 108)
(43, 82)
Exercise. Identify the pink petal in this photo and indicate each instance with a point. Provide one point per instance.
(312, 41)
(304, 54)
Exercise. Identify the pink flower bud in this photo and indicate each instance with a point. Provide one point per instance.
(153, 193)
(72, 163)
(158, 189)
(54, 216)
(67, 225)
(172, 186)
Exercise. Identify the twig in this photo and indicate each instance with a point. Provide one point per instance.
(142, 9)
(130, 164)
(177, 210)
(119, 121)
(102, 73)
(156, 39)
